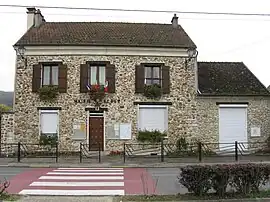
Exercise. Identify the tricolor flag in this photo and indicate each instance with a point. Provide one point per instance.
(106, 86)
(88, 86)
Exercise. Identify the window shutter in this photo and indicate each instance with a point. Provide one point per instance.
(83, 78)
(62, 78)
(110, 77)
(139, 79)
(36, 77)
(165, 79)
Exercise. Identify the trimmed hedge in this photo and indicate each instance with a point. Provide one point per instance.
(241, 178)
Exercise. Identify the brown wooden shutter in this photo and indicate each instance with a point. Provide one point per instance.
(165, 79)
(110, 77)
(36, 77)
(83, 77)
(139, 79)
(62, 78)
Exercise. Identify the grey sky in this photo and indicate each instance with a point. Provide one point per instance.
(218, 38)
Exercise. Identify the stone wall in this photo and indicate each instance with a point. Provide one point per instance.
(7, 128)
(182, 112)
(208, 116)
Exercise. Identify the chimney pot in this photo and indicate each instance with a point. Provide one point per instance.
(175, 21)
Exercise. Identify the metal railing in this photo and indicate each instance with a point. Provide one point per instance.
(157, 152)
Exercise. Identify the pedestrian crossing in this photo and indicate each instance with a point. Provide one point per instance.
(78, 182)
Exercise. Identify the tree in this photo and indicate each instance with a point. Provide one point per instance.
(4, 108)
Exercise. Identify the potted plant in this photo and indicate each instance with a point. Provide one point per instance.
(97, 92)
(152, 91)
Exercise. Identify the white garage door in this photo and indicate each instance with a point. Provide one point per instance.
(153, 118)
(232, 124)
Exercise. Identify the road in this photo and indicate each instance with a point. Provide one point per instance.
(9, 172)
(92, 181)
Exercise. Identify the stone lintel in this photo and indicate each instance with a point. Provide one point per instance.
(49, 108)
(152, 103)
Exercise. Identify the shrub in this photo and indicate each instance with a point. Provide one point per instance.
(150, 136)
(3, 187)
(197, 179)
(220, 178)
(243, 178)
(248, 178)
(152, 91)
(48, 140)
(48, 93)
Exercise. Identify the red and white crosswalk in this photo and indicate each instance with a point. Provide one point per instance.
(78, 181)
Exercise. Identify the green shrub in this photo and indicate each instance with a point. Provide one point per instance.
(48, 93)
(220, 178)
(152, 91)
(48, 140)
(150, 136)
(248, 178)
(197, 179)
(243, 178)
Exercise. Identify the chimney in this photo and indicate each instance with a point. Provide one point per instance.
(34, 17)
(174, 21)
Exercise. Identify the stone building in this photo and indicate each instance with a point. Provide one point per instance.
(198, 100)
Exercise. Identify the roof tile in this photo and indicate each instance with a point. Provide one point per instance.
(108, 34)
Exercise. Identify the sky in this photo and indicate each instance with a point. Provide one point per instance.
(218, 38)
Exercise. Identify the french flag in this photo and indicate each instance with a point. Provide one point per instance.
(106, 86)
(88, 86)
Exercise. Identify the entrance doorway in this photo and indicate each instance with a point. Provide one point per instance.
(96, 132)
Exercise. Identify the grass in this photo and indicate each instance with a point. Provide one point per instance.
(180, 197)
(9, 197)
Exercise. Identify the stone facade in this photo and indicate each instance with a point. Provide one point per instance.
(182, 113)
(7, 127)
(208, 116)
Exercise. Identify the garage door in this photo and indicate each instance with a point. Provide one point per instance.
(153, 118)
(232, 124)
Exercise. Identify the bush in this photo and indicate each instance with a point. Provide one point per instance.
(197, 179)
(220, 178)
(150, 136)
(48, 140)
(152, 91)
(3, 187)
(243, 178)
(248, 178)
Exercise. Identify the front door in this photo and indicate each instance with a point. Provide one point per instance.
(96, 133)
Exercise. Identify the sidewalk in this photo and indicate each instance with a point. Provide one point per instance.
(110, 165)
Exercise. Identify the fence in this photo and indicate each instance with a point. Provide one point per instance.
(141, 153)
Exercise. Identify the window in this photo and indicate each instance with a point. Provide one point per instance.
(153, 118)
(49, 75)
(152, 75)
(96, 75)
(49, 122)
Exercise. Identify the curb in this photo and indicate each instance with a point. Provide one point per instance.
(106, 165)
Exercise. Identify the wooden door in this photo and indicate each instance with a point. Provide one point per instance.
(96, 133)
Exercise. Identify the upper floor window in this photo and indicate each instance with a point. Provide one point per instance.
(152, 75)
(97, 74)
(49, 75)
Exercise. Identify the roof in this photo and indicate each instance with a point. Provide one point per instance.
(228, 78)
(107, 34)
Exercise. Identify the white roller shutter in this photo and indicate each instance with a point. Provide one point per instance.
(232, 124)
(49, 122)
(153, 118)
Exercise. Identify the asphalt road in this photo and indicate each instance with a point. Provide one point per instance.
(166, 180)
(9, 172)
